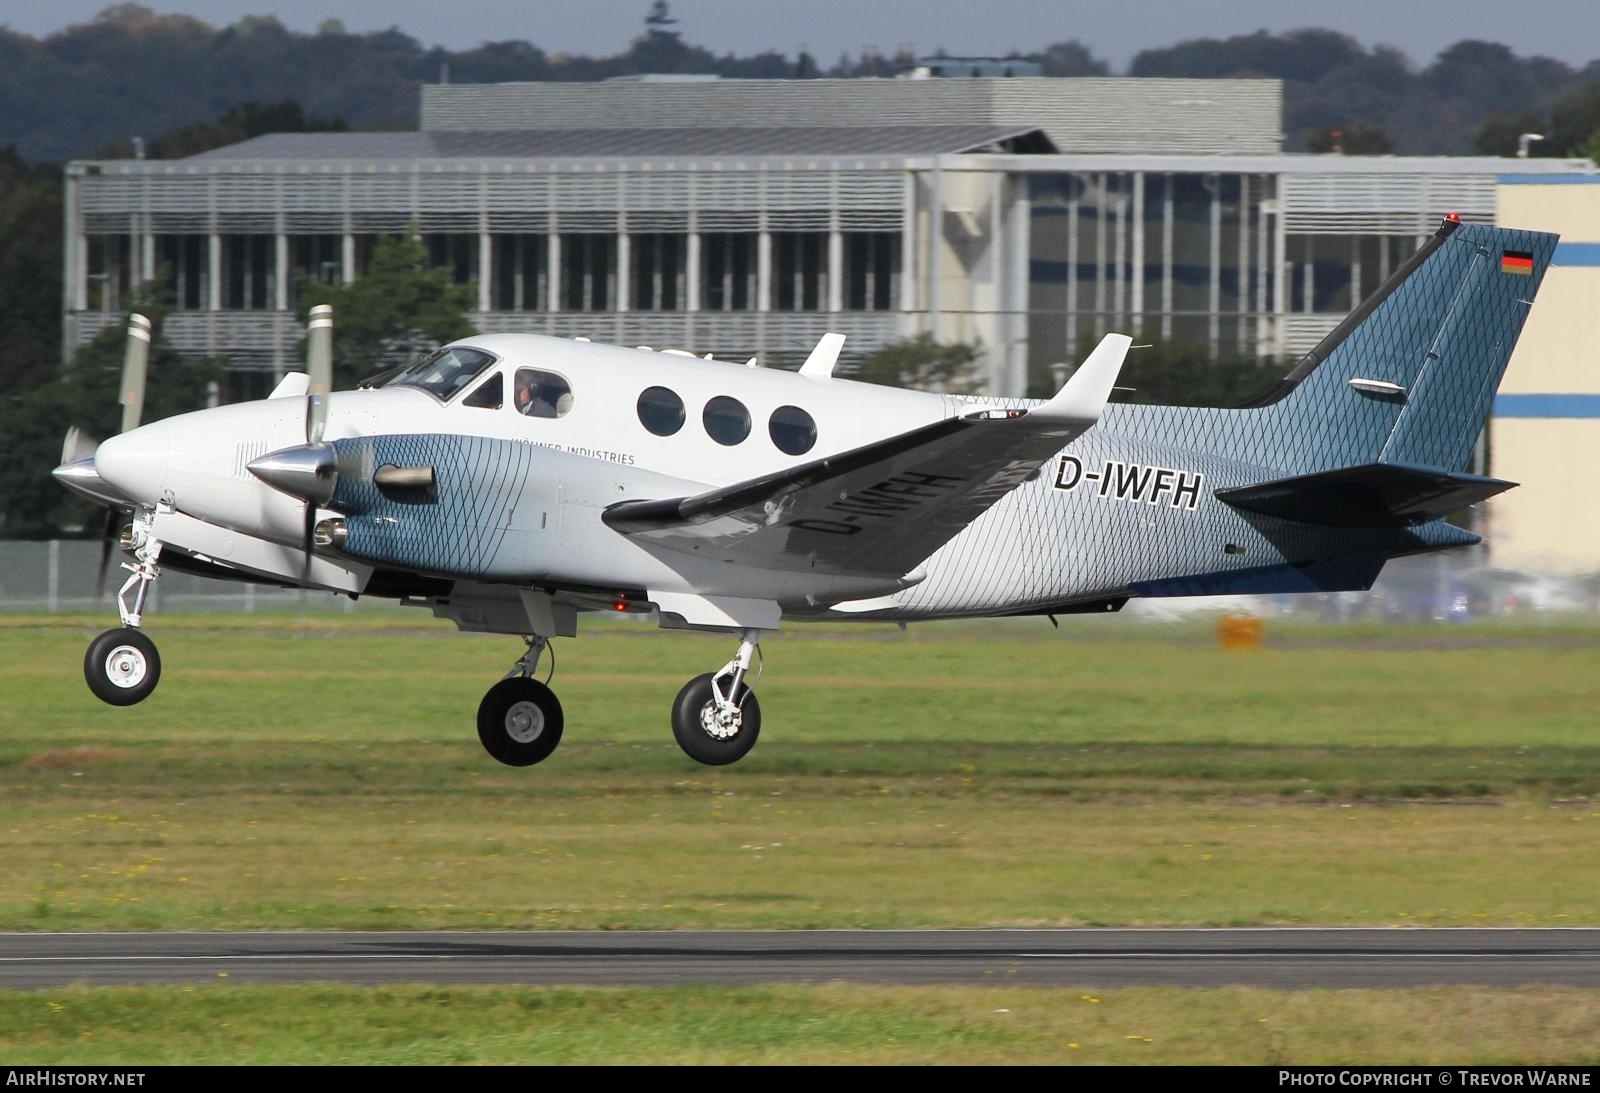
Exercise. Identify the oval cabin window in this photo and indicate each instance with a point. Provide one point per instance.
(726, 420)
(792, 430)
(661, 411)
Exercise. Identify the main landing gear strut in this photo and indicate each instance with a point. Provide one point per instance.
(122, 666)
(520, 720)
(715, 719)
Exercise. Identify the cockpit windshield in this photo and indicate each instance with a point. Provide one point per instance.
(445, 372)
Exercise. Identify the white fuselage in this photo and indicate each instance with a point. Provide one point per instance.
(199, 461)
(1053, 541)
(1037, 548)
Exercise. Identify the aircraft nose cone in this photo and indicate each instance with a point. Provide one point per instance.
(135, 463)
(307, 471)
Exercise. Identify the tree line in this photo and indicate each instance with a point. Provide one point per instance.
(89, 89)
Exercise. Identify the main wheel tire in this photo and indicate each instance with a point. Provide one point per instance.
(122, 666)
(519, 722)
(698, 731)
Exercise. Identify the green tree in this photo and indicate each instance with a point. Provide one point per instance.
(1478, 78)
(1573, 120)
(661, 47)
(1183, 374)
(925, 365)
(30, 272)
(499, 62)
(251, 119)
(658, 23)
(1567, 127)
(1591, 147)
(396, 310)
(1499, 135)
(1071, 59)
(1351, 140)
(84, 393)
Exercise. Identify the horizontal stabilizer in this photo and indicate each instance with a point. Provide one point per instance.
(1375, 495)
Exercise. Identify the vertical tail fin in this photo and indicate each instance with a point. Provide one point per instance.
(1408, 377)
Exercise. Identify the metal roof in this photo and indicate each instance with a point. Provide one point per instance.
(904, 140)
(1090, 114)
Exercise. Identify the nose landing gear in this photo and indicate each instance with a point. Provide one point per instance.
(716, 718)
(122, 666)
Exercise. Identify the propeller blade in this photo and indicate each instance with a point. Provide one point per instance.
(309, 531)
(134, 367)
(77, 445)
(319, 382)
(319, 349)
(316, 418)
(108, 538)
(319, 370)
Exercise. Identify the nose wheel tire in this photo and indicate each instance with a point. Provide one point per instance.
(519, 721)
(708, 734)
(122, 666)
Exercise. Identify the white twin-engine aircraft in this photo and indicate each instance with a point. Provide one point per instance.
(511, 482)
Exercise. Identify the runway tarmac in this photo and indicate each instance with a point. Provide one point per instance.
(1086, 958)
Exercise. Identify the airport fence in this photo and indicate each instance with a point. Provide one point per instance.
(59, 576)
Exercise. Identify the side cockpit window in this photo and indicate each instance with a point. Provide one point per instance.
(489, 395)
(542, 394)
(445, 373)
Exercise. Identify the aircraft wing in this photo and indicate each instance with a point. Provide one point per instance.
(882, 508)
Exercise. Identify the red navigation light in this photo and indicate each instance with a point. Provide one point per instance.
(1454, 218)
(620, 605)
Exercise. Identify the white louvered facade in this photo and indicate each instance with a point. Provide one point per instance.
(1166, 212)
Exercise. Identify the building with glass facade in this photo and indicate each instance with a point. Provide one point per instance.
(746, 218)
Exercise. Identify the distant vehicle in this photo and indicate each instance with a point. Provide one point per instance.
(512, 482)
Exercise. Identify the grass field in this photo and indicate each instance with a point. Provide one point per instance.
(324, 772)
(328, 775)
(794, 1024)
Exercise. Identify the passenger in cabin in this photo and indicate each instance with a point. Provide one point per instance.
(550, 398)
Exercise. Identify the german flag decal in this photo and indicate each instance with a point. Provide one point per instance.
(1516, 261)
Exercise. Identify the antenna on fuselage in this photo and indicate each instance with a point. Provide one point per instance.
(823, 359)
